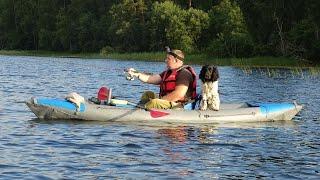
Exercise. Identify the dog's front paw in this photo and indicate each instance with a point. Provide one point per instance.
(203, 106)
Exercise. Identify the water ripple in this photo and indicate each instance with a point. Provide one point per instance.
(43, 149)
(134, 146)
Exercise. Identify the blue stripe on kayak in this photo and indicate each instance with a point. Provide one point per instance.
(60, 103)
(266, 108)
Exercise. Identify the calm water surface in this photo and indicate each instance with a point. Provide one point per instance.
(39, 149)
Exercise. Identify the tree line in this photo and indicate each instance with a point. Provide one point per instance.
(219, 28)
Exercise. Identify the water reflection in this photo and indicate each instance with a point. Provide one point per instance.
(203, 133)
(176, 135)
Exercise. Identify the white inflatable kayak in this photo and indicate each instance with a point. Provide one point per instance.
(45, 108)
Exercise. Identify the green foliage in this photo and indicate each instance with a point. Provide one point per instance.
(167, 26)
(171, 25)
(128, 28)
(86, 32)
(196, 22)
(304, 39)
(46, 24)
(221, 28)
(105, 51)
(237, 45)
(229, 36)
(65, 27)
(18, 24)
(284, 27)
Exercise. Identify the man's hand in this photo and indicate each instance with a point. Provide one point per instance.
(144, 77)
(132, 72)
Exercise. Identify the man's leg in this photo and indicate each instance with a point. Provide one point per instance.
(158, 104)
(151, 100)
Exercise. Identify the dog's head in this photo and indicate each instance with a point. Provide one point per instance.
(209, 73)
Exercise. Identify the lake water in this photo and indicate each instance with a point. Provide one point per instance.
(39, 149)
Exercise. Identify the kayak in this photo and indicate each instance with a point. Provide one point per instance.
(54, 109)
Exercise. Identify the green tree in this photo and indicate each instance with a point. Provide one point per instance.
(6, 19)
(20, 22)
(197, 4)
(128, 29)
(197, 21)
(284, 27)
(66, 31)
(47, 18)
(227, 32)
(81, 25)
(171, 25)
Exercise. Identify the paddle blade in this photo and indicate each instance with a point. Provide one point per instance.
(156, 114)
(103, 93)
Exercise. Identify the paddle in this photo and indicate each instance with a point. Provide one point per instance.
(105, 93)
(153, 112)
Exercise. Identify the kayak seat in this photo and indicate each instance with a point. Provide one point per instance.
(194, 104)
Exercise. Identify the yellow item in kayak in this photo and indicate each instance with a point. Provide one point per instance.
(118, 102)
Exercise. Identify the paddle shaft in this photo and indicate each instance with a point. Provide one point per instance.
(137, 105)
(153, 112)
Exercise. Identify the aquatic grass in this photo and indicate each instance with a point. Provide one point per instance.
(266, 71)
(294, 72)
(314, 71)
(268, 62)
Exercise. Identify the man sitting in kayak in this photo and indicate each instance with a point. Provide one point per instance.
(177, 83)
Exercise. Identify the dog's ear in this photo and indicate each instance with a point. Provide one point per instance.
(215, 73)
(202, 73)
(208, 73)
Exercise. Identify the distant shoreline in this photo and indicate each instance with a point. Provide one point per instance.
(159, 56)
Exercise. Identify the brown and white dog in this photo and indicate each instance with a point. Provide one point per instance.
(209, 76)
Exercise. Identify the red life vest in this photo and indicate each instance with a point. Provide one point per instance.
(168, 82)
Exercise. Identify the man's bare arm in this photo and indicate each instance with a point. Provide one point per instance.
(179, 93)
(151, 79)
(145, 77)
